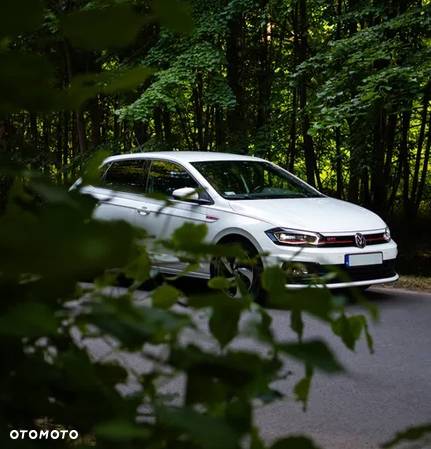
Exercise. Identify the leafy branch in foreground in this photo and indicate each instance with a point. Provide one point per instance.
(194, 383)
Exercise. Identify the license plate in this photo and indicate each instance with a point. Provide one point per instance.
(358, 260)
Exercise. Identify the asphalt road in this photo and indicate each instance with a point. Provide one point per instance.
(378, 395)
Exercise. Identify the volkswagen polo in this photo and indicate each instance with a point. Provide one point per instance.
(274, 216)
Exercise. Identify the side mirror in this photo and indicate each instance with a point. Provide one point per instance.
(186, 194)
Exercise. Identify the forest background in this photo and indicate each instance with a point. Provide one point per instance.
(335, 91)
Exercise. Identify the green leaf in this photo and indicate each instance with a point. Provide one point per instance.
(349, 329)
(28, 320)
(256, 441)
(296, 323)
(121, 431)
(174, 14)
(100, 28)
(19, 73)
(239, 415)
(139, 267)
(189, 236)
(274, 280)
(315, 353)
(91, 173)
(135, 325)
(294, 442)
(83, 87)
(302, 388)
(18, 16)
(206, 431)
(414, 433)
(224, 321)
(165, 296)
(219, 283)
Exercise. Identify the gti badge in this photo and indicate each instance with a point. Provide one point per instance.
(360, 240)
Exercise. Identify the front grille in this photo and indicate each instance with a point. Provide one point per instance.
(349, 240)
(365, 273)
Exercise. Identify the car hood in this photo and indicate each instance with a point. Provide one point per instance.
(321, 214)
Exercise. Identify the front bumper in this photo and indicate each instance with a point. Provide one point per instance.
(340, 276)
(326, 268)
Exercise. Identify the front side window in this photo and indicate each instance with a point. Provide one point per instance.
(165, 177)
(127, 175)
(235, 180)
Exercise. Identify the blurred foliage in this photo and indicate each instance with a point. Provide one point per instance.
(49, 242)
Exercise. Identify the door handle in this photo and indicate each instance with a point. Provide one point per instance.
(143, 210)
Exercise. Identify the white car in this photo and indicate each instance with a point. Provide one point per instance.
(246, 200)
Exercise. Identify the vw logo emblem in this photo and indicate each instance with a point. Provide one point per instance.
(360, 240)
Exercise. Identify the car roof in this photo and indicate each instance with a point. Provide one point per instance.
(184, 156)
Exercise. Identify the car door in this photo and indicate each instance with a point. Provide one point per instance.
(163, 219)
(120, 193)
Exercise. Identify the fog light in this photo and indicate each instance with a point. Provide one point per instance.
(295, 270)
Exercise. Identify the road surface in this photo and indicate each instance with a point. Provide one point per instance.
(380, 394)
(377, 396)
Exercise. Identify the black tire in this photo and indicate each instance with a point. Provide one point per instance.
(248, 271)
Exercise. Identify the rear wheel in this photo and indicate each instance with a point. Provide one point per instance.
(245, 270)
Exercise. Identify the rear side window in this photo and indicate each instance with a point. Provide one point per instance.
(165, 177)
(127, 176)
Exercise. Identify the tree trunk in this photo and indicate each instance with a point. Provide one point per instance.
(302, 90)
(80, 132)
(404, 160)
(421, 138)
(338, 163)
(264, 84)
(421, 185)
(292, 140)
(236, 123)
(378, 160)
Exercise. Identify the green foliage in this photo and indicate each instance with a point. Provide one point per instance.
(174, 14)
(415, 434)
(315, 353)
(173, 87)
(296, 442)
(50, 242)
(101, 28)
(14, 22)
(224, 381)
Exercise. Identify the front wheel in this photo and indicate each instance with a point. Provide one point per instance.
(246, 270)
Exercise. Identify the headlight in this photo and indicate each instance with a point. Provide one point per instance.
(387, 234)
(292, 237)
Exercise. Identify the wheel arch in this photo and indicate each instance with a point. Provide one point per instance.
(237, 234)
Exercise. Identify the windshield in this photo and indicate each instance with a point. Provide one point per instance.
(239, 180)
